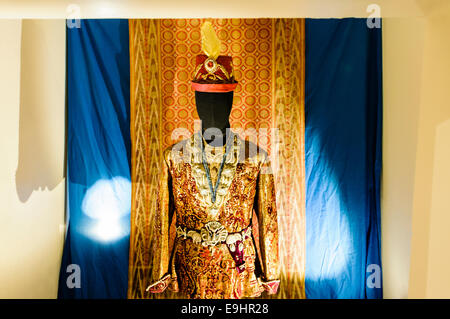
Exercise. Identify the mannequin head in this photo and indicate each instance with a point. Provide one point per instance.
(214, 110)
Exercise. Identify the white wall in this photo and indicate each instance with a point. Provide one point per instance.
(430, 259)
(32, 120)
(403, 40)
(206, 8)
(416, 138)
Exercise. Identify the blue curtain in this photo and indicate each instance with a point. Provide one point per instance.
(98, 161)
(343, 110)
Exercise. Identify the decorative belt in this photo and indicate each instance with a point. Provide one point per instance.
(214, 233)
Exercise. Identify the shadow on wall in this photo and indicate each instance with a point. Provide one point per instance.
(41, 120)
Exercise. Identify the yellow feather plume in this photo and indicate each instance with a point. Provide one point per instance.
(210, 41)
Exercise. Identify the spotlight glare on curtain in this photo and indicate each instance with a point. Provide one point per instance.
(107, 202)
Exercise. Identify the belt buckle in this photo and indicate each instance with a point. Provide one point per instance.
(213, 233)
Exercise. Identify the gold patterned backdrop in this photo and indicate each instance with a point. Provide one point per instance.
(268, 108)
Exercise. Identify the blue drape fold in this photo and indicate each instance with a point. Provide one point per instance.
(343, 110)
(98, 161)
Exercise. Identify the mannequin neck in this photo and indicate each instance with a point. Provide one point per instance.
(216, 137)
(214, 111)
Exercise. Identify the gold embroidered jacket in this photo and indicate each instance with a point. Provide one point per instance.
(214, 225)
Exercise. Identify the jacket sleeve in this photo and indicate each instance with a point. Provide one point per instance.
(160, 277)
(266, 211)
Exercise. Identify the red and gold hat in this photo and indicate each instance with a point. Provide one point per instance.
(214, 72)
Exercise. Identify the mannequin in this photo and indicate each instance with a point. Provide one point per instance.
(215, 199)
(214, 111)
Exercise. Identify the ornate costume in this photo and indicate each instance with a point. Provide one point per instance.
(214, 254)
(213, 192)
